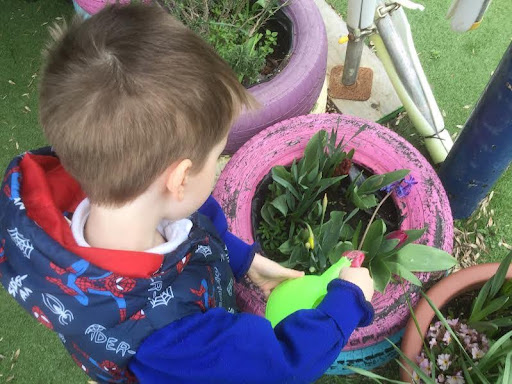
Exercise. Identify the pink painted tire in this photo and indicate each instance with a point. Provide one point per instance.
(379, 150)
(92, 7)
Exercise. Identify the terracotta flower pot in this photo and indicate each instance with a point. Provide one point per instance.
(463, 281)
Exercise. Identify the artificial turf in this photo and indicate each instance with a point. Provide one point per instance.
(458, 67)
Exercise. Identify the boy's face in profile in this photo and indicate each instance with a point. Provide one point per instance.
(200, 184)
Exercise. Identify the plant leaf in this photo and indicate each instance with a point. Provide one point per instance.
(388, 245)
(493, 306)
(381, 274)
(499, 278)
(332, 230)
(485, 326)
(335, 254)
(280, 204)
(489, 357)
(357, 232)
(507, 372)
(480, 300)
(422, 258)
(413, 235)
(287, 247)
(374, 238)
(376, 182)
(277, 176)
(371, 375)
(403, 272)
(267, 214)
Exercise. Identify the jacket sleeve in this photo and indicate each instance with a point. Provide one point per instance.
(240, 253)
(219, 347)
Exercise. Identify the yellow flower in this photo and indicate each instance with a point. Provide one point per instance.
(311, 239)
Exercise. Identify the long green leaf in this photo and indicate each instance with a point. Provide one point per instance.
(492, 307)
(381, 274)
(423, 376)
(332, 230)
(467, 374)
(371, 375)
(374, 235)
(421, 258)
(285, 184)
(357, 233)
(489, 357)
(507, 372)
(376, 182)
(480, 300)
(401, 271)
(502, 322)
(413, 235)
(499, 278)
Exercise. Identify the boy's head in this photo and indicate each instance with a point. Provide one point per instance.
(128, 93)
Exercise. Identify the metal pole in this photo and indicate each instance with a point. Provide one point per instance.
(403, 65)
(352, 58)
(483, 150)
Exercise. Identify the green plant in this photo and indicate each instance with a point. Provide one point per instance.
(492, 308)
(313, 244)
(454, 352)
(233, 28)
(295, 195)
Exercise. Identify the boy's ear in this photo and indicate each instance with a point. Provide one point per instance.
(177, 178)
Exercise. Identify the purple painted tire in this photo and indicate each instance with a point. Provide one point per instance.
(294, 91)
(379, 150)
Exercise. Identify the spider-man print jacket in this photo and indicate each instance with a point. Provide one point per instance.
(128, 317)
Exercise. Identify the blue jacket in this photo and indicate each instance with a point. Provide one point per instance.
(188, 332)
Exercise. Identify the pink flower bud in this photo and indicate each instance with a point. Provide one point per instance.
(401, 236)
(356, 257)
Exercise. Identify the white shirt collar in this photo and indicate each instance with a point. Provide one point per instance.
(175, 232)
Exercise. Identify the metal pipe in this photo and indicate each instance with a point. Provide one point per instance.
(404, 65)
(352, 59)
(483, 150)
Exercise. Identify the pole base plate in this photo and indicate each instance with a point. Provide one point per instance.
(359, 91)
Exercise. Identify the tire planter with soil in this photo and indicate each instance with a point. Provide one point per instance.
(292, 92)
(442, 293)
(377, 149)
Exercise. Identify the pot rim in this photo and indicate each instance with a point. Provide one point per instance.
(460, 282)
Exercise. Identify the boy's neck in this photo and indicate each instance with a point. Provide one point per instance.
(132, 227)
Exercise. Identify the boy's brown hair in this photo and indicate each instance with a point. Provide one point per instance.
(129, 91)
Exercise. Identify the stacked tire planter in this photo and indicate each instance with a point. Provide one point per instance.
(290, 93)
(377, 149)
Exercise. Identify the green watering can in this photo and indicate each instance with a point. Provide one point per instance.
(308, 291)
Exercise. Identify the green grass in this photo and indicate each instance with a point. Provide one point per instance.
(458, 67)
(23, 34)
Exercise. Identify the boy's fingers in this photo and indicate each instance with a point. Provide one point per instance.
(293, 274)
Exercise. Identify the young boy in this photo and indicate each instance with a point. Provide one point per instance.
(139, 283)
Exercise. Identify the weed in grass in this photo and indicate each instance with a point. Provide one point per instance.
(434, 54)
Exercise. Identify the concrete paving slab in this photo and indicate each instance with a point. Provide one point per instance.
(383, 99)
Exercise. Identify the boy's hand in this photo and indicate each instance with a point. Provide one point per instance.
(267, 274)
(361, 278)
